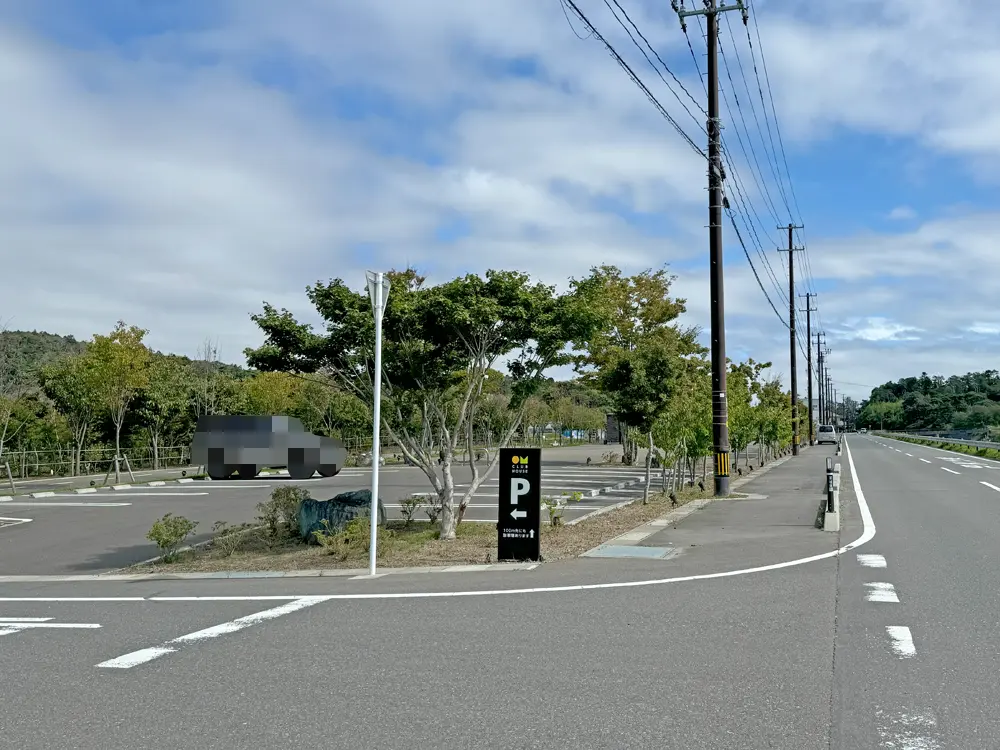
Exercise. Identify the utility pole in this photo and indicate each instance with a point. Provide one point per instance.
(835, 404)
(716, 175)
(809, 362)
(791, 334)
(820, 382)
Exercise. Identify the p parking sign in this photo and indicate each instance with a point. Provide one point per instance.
(520, 504)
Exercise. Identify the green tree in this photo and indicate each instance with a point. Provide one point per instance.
(121, 367)
(439, 343)
(271, 393)
(743, 386)
(633, 312)
(641, 381)
(164, 400)
(71, 384)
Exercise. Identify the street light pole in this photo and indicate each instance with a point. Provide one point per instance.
(378, 290)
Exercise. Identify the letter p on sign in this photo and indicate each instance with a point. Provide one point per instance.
(518, 487)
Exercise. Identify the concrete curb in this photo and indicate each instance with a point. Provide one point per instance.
(240, 574)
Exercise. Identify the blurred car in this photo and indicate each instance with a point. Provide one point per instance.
(243, 445)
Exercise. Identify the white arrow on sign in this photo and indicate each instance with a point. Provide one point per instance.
(519, 514)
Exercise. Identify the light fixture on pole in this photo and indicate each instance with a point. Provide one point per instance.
(378, 290)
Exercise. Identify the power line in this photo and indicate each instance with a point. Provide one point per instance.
(752, 268)
(635, 78)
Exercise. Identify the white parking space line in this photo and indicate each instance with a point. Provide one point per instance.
(910, 455)
(15, 504)
(146, 494)
(146, 655)
(902, 641)
(950, 471)
(881, 592)
(925, 460)
(991, 486)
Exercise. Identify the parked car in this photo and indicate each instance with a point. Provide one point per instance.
(827, 434)
(243, 445)
(864, 430)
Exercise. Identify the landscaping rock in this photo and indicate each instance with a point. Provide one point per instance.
(337, 511)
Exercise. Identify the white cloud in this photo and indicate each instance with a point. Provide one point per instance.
(171, 187)
(902, 213)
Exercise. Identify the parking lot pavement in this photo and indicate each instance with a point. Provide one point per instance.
(66, 484)
(79, 534)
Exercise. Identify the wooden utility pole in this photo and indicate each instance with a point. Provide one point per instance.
(809, 363)
(716, 175)
(792, 343)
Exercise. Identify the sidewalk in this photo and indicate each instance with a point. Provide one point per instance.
(775, 516)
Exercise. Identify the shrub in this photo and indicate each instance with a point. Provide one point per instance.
(353, 538)
(556, 505)
(169, 534)
(280, 514)
(228, 539)
(408, 506)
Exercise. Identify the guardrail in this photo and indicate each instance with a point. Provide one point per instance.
(956, 441)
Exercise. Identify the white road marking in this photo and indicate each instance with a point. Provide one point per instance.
(991, 486)
(6, 620)
(881, 592)
(12, 625)
(907, 731)
(910, 455)
(65, 505)
(138, 493)
(147, 655)
(902, 641)
(925, 460)
(872, 561)
(137, 657)
(14, 521)
(950, 471)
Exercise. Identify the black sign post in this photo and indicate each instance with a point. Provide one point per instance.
(520, 507)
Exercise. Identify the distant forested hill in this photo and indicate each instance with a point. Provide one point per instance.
(961, 402)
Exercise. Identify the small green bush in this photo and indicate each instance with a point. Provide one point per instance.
(353, 538)
(169, 534)
(229, 539)
(280, 514)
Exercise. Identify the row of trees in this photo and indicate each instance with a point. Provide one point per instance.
(114, 396)
(442, 345)
(960, 402)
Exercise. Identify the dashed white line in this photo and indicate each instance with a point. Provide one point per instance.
(902, 641)
(950, 471)
(991, 486)
(872, 561)
(881, 592)
(910, 455)
(925, 460)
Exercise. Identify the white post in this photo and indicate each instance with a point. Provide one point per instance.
(377, 291)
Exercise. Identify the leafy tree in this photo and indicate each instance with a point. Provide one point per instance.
(641, 381)
(633, 312)
(271, 393)
(164, 400)
(327, 409)
(743, 386)
(439, 343)
(71, 384)
(121, 365)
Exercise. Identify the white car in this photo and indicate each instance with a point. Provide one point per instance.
(826, 434)
(864, 430)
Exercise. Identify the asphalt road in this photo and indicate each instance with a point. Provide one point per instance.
(105, 530)
(891, 644)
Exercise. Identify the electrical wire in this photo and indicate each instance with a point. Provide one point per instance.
(635, 78)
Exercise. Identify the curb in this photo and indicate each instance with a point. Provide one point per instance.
(120, 487)
(350, 573)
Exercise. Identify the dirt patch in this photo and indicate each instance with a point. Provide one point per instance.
(415, 545)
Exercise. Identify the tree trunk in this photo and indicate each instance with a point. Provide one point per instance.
(649, 468)
(449, 519)
(118, 451)
(154, 437)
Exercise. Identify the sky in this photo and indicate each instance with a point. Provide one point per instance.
(175, 163)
